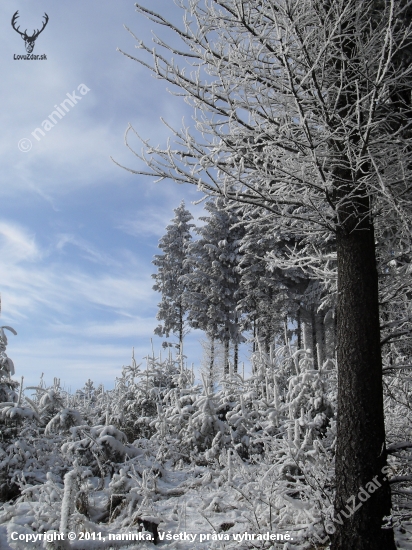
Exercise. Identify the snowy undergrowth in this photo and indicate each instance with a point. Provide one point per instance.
(162, 455)
(227, 496)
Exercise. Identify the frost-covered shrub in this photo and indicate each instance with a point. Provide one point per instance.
(28, 460)
(8, 395)
(63, 421)
(132, 405)
(17, 412)
(98, 447)
(47, 402)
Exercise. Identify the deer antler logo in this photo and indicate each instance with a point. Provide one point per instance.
(28, 40)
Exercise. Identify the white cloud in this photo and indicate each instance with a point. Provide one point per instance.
(152, 222)
(89, 251)
(133, 327)
(57, 285)
(16, 243)
(118, 292)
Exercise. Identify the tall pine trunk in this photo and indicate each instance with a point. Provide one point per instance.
(254, 334)
(212, 362)
(314, 336)
(226, 350)
(320, 338)
(360, 443)
(236, 345)
(299, 329)
(181, 332)
(360, 450)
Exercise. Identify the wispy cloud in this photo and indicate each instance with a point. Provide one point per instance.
(149, 223)
(17, 244)
(59, 294)
(88, 251)
(152, 221)
(134, 327)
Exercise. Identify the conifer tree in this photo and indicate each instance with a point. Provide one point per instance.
(172, 266)
(213, 282)
(271, 296)
(7, 385)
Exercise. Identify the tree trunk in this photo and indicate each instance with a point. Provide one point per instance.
(299, 329)
(226, 351)
(306, 331)
(236, 345)
(181, 333)
(360, 450)
(254, 334)
(360, 443)
(314, 336)
(269, 329)
(320, 338)
(212, 362)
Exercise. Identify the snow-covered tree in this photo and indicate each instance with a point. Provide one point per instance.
(171, 268)
(212, 285)
(303, 108)
(270, 297)
(7, 385)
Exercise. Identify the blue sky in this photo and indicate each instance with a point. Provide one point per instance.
(77, 233)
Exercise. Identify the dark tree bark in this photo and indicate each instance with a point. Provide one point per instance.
(254, 334)
(212, 362)
(226, 344)
(236, 357)
(236, 346)
(314, 337)
(360, 450)
(299, 329)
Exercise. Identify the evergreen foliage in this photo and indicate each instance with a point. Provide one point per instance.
(172, 267)
(213, 282)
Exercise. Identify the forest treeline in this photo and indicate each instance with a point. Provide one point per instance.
(223, 277)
